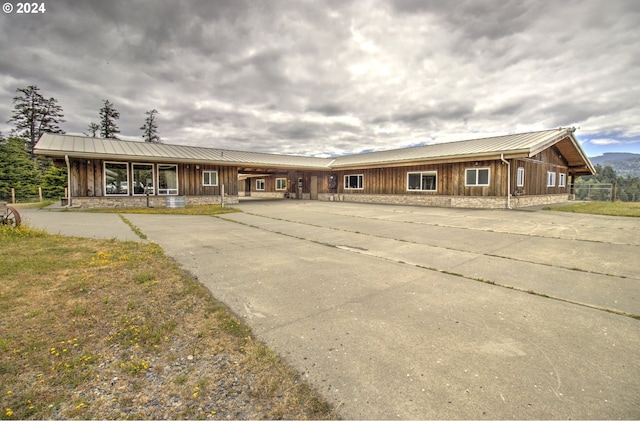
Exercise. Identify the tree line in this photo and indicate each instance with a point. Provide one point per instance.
(34, 114)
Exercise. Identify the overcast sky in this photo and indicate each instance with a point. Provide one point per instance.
(323, 77)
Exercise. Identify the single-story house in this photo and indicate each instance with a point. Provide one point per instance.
(514, 170)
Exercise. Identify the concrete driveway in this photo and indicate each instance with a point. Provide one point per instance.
(429, 313)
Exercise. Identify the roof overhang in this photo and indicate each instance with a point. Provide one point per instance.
(570, 149)
(490, 156)
(124, 157)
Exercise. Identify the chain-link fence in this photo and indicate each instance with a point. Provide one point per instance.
(605, 192)
(597, 192)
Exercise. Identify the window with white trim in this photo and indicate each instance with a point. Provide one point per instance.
(520, 178)
(281, 183)
(476, 177)
(354, 182)
(167, 179)
(142, 179)
(116, 179)
(423, 181)
(209, 178)
(562, 180)
(260, 184)
(551, 179)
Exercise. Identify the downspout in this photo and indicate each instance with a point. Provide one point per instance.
(66, 159)
(504, 161)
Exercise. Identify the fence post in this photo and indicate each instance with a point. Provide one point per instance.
(13, 195)
(40, 194)
(613, 190)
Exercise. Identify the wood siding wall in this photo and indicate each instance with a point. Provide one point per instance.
(190, 180)
(87, 178)
(393, 180)
(450, 180)
(535, 173)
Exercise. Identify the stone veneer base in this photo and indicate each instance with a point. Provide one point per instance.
(141, 201)
(448, 201)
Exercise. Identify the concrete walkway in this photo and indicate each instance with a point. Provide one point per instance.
(424, 313)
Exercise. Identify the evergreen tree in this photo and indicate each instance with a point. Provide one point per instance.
(607, 174)
(54, 180)
(34, 115)
(108, 117)
(150, 128)
(17, 169)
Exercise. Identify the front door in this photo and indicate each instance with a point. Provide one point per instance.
(247, 187)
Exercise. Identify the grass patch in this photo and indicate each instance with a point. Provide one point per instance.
(101, 329)
(33, 205)
(135, 229)
(210, 210)
(601, 208)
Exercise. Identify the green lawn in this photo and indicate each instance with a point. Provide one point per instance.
(601, 208)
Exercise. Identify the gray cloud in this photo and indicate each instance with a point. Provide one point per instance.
(329, 77)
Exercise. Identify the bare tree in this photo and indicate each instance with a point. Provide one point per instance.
(92, 130)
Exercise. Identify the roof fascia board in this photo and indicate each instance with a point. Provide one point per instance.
(588, 163)
(494, 156)
(136, 158)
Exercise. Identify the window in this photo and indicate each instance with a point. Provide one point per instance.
(281, 183)
(353, 181)
(116, 179)
(551, 179)
(477, 177)
(562, 180)
(167, 179)
(425, 181)
(520, 180)
(142, 179)
(209, 178)
(260, 184)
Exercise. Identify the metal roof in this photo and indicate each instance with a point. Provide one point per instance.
(510, 146)
(520, 144)
(56, 145)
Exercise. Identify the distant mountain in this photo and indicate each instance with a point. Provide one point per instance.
(624, 164)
